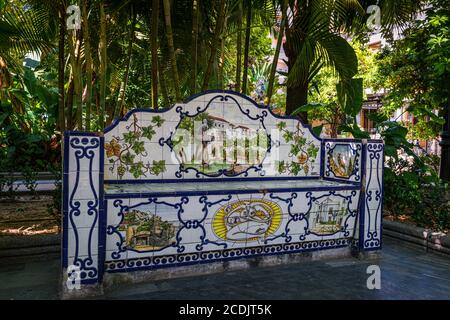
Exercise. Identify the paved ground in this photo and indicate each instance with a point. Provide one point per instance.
(407, 272)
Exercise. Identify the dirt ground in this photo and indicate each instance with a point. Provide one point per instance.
(27, 215)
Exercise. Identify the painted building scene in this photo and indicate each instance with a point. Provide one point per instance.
(326, 215)
(211, 144)
(147, 231)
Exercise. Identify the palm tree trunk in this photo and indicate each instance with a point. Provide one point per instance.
(217, 36)
(61, 66)
(88, 61)
(295, 97)
(277, 52)
(222, 58)
(195, 18)
(239, 48)
(75, 63)
(172, 57)
(69, 105)
(154, 43)
(247, 46)
(102, 73)
(123, 85)
(162, 82)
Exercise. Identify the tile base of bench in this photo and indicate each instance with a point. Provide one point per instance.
(113, 280)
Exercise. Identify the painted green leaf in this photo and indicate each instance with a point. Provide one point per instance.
(281, 125)
(280, 166)
(129, 137)
(148, 132)
(158, 121)
(158, 167)
(136, 169)
(138, 147)
(295, 168)
(288, 136)
(128, 158)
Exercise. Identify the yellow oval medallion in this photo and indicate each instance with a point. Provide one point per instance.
(247, 220)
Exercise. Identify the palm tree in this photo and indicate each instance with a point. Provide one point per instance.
(239, 46)
(194, 52)
(248, 26)
(215, 43)
(315, 38)
(277, 51)
(102, 54)
(88, 61)
(170, 43)
(154, 44)
(123, 85)
(22, 31)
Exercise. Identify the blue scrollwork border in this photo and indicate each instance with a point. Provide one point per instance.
(154, 262)
(375, 156)
(84, 146)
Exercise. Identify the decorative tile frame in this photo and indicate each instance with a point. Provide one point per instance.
(83, 211)
(125, 141)
(352, 149)
(347, 211)
(371, 215)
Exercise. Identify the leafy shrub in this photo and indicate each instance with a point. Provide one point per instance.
(415, 190)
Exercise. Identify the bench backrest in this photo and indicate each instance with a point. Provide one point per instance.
(215, 134)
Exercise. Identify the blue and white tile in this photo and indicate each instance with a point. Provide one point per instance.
(84, 246)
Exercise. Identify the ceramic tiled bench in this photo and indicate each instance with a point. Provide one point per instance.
(173, 187)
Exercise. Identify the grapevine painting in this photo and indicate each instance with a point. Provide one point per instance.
(125, 153)
(303, 151)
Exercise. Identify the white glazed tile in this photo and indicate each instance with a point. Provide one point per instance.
(109, 255)
(84, 219)
(170, 171)
(193, 210)
(83, 235)
(191, 236)
(169, 156)
(113, 212)
(134, 255)
(110, 172)
(113, 241)
(84, 189)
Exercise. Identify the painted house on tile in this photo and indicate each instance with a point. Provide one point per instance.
(147, 194)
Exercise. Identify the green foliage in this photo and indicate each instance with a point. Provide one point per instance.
(417, 70)
(416, 192)
(350, 95)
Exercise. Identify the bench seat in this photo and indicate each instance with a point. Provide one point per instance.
(143, 189)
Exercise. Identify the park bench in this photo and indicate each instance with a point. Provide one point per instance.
(212, 180)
